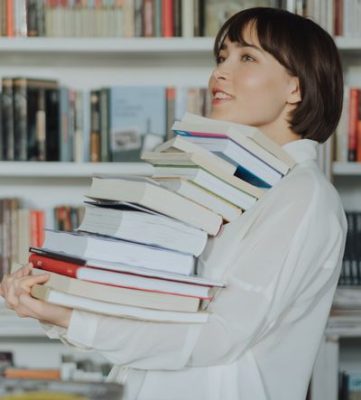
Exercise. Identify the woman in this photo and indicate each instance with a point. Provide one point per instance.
(281, 259)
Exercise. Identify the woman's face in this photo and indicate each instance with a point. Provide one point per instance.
(249, 86)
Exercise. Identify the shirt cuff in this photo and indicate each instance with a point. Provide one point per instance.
(82, 329)
(53, 331)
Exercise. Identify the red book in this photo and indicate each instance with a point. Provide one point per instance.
(125, 280)
(34, 232)
(353, 121)
(167, 18)
(40, 224)
(9, 18)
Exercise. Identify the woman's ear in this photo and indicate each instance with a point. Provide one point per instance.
(294, 95)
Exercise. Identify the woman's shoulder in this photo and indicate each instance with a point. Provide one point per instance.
(307, 187)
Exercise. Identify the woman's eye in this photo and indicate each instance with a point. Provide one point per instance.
(219, 59)
(247, 57)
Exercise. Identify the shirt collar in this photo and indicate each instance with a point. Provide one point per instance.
(302, 150)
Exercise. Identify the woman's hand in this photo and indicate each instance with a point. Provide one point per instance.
(15, 289)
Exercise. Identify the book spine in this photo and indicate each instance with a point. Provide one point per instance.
(104, 125)
(52, 132)
(40, 124)
(95, 150)
(9, 18)
(170, 97)
(8, 118)
(20, 119)
(177, 18)
(148, 10)
(352, 128)
(53, 265)
(138, 18)
(31, 18)
(187, 18)
(167, 18)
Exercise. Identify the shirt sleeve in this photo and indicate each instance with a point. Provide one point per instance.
(274, 264)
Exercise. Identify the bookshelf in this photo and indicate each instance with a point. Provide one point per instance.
(84, 63)
(69, 170)
(156, 46)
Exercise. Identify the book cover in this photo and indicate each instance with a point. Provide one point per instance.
(137, 120)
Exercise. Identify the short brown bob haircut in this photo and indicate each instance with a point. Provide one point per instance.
(306, 51)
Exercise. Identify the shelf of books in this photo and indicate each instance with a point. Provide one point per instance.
(36, 169)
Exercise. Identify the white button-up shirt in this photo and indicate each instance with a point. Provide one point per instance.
(281, 261)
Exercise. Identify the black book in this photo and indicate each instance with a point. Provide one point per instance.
(52, 123)
(8, 119)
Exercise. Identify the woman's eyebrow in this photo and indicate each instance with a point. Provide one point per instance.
(242, 45)
(253, 46)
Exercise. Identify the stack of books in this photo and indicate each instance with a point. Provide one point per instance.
(134, 254)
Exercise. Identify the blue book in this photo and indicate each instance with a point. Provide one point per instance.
(137, 120)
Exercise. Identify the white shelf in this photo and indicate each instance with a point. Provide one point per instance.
(106, 45)
(70, 169)
(350, 168)
(15, 327)
(129, 45)
(347, 44)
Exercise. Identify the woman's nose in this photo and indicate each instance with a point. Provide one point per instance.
(219, 73)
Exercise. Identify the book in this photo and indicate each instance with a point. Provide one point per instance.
(196, 193)
(147, 192)
(119, 295)
(194, 279)
(209, 161)
(137, 120)
(199, 130)
(208, 182)
(42, 389)
(128, 223)
(42, 292)
(119, 279)
(250, 132)
(29, 373)
(248, 166)
(196, 160)
(99, 247)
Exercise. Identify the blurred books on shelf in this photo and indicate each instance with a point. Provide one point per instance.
(42, 120)
(35, 389)
(351, 263)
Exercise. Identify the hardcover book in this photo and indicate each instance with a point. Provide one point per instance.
(137, 120)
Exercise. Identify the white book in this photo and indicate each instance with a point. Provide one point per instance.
(119, 295)
(234, 134)
(143, 227)
(149, 193)
(196, 193)
(238, 156)
(115, 250)
(203, 158)
(249, 131)
(209, 182)
(42, 292)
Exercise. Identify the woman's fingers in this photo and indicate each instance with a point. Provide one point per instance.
(27, 282)
(23, 271)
